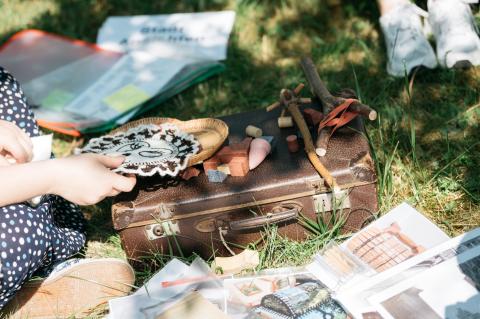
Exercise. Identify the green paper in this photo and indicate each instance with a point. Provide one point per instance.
(57, 99)
(126, 98)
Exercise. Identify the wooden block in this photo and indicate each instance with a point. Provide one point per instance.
(224, 169)
(215, 176)
(243, 146)
(211, 163)
(227, 153)
(238, 166)
(312, 117)
(189, 173)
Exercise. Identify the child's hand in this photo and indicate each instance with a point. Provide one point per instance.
(14, 143)
(86, 179)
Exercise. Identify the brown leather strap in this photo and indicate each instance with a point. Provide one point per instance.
(264, 220)
(339, 116)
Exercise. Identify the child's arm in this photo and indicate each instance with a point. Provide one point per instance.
(84, 179)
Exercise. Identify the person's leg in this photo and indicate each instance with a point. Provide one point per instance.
(455, 31)
(386, 6)
(30, 240)
(407, 46)
(32, 237)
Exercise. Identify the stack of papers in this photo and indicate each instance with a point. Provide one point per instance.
(138, 63)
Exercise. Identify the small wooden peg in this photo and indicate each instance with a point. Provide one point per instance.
(292, 143)
(285, 121)
(253, 131)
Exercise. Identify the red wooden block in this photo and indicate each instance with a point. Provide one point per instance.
(225, 154)
(312, 117)
(211, 163)
(189, 172)
(238, 166)
(234, 150)
(243, 145)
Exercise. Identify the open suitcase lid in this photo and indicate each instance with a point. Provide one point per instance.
(282, 176)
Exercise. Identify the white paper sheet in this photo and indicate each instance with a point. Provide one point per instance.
(201, 36)
(153, 298)
(42, 147)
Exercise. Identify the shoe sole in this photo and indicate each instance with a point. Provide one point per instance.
(75, 291)
(462, 65)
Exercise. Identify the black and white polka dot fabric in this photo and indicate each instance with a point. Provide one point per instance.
(32, 238)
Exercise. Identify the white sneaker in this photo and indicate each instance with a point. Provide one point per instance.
(407, 46)
(453, 24)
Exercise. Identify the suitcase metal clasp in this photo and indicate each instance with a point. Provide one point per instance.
(328, 202)
(162, 229)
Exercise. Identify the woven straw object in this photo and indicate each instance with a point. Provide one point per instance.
(209, 132)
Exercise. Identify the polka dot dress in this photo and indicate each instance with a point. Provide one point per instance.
(32, 238)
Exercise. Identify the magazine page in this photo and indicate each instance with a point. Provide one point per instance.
(449, 289)
(397, 236)
(358, 298)
(134, 79)
(201, 36)
(282, 293)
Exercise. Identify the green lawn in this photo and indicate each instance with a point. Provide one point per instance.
(426, 140)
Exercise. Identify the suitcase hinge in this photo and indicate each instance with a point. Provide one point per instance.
(162, 229)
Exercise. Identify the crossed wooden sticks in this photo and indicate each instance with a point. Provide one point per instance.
(290, 100)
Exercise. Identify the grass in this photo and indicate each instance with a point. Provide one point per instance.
(425, 141)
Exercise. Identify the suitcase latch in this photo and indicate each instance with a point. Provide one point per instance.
(160, 230)
(318, 185)
(328, 202)
(164, 212)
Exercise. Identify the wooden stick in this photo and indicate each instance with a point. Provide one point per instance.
(273, 106)
(364, 110)
(317, 87)
(309, 147)
(305, 100)
(329, 102)
(298, 89)
(322, 141)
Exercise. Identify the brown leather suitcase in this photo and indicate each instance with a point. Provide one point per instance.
(181, 217)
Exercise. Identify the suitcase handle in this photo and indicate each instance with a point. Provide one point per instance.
(264, 220)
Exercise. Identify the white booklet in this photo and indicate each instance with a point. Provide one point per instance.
(443, 282)
(161, 52)
(397, 236)
(200, 36)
